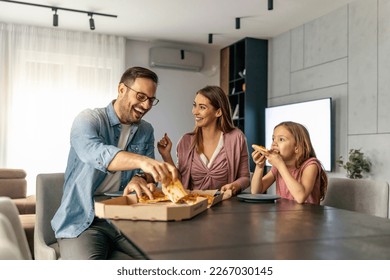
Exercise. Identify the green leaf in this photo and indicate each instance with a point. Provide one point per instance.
(356, 165)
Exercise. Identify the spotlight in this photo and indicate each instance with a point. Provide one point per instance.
(270, 5)
(210, 38)
(55, 9)
(91, 22)
(55, 18)
(238, 23)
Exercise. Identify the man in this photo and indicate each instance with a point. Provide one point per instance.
(109, 149)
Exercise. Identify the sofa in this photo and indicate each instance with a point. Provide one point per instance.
(13, 184)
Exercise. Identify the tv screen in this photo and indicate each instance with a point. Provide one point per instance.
(315, 115)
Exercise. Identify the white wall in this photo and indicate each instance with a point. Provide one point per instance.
(344, 55)
(176, 89)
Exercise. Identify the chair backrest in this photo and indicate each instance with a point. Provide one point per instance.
(10, 211)
(49, 190)
(9, 247)
(360, 195)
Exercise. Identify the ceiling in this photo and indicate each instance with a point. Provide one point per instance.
(181, 21)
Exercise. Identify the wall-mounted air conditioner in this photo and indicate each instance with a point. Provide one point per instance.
(175, 59)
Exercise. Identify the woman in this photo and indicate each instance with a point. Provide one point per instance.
(215, 154)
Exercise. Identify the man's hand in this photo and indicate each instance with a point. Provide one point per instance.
(140, 186)
(160, 171)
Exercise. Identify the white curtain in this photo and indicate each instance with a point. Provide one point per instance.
(47, 76)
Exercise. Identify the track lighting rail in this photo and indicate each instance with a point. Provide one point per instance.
(56, 9)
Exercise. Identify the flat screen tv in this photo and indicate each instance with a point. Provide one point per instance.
(315, 115)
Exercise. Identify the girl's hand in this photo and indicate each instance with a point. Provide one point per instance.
(275, 159)
(259, 159)
(164, 146)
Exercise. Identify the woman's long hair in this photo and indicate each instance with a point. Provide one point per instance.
(305, 150)
(219, 100)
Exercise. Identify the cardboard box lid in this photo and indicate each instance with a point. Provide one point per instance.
(126, 207)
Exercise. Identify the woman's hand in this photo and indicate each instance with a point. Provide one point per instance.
(164, 146)
(232, 187)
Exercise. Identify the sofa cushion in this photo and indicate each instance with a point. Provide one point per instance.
(13, 188)
(9, 173)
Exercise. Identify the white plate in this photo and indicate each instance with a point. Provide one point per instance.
(247, 197)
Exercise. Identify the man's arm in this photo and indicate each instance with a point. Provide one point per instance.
(160, 171)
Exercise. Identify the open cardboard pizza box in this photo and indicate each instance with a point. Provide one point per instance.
(127, 207)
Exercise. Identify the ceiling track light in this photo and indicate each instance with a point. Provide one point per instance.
(55, 15)
(270, 5)
(238, 23)
(210, 38)
(91, 22)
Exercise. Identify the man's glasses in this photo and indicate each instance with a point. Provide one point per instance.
(143, 97)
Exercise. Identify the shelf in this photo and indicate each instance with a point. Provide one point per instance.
(237, 93)
(237, 80)
(251, 55)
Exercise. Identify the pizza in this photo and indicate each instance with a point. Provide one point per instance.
(192, 197)
(158, 196)
(261, 149)
(174, 190)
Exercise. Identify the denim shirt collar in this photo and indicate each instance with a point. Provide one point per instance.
(112, 116)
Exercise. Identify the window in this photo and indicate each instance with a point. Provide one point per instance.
(52, 76)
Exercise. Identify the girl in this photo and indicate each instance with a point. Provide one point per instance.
(215, 154)
(298, 173)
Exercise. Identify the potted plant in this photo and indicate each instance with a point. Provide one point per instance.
(357, 164)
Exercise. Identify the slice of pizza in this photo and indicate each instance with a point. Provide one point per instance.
(158, 196)
(261, 149)
(174, 190)
(192, 198)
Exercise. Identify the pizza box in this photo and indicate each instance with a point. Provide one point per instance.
(128, 208)
(217, 196)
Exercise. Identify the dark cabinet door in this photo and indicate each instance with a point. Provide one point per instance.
(245, 82)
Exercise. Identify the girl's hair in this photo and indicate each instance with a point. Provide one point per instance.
(219, 100)
(305, 150)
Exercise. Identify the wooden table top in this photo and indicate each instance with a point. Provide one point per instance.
(282, 230)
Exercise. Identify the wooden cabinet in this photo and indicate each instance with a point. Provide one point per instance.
(243, 76)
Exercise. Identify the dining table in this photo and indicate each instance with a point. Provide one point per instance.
(279, 229)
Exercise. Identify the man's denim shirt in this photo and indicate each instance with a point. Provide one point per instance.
(94, 139)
